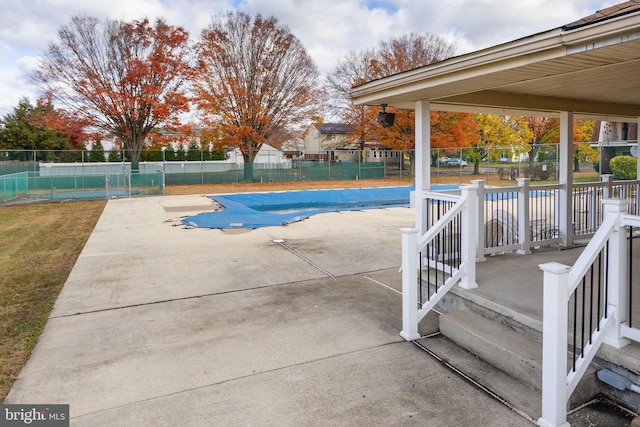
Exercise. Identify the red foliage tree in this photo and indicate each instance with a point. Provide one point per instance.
(390, 57)
(78, 128)
(128, 78)
(255, 82)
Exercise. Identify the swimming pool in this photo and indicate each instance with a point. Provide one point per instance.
(254, 210)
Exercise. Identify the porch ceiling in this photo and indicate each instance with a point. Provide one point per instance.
(592, 70)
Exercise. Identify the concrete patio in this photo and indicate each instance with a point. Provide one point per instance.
(298, 325)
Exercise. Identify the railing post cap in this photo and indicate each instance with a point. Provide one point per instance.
(555, 267)
(469, 188)
(615, 202)
(409, 230)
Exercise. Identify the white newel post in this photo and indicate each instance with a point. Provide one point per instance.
(469, 236)
(479, 185)
(409, 284)
(554, 345)
(617, 279)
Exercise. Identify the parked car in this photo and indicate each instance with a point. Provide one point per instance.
(457, 163)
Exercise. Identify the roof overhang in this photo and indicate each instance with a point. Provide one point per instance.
(592, 71)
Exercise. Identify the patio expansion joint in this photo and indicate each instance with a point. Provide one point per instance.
(165, 301)
(302, 257)
(398, 341)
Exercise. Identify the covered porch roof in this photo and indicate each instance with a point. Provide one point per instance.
(590, 67)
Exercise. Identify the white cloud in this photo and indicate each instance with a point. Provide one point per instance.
(328, 29)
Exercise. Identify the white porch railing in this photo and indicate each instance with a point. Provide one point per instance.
(446, 253)
(517, 219)
(591, 300)
(491, 220)
(523, 217)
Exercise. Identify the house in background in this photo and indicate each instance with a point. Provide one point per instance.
(378, 152)
(266, 155)
(293, 149)
(331, 142)
(614, 139)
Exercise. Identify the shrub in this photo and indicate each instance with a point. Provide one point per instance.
(540, 172)
(507, 173)
(624, 167)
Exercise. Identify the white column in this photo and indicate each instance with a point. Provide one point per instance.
(566, 178)
(617, 295)
(638, 147)
(469, 236)
(479, 184)
(409, 284)
(524, 229)
(423, 161)
(555, 315)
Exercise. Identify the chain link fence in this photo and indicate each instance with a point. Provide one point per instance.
(83, 174)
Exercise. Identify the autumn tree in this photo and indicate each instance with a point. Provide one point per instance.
(582, 150)
(255, 82)
(21, 130)
(42, 127)
(128, 78)
(543, 131)
(391, 57)
(77, 128)
(499, 135)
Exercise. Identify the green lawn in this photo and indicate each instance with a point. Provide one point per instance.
(40, 244)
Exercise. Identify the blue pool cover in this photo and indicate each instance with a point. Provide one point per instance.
(253, 210)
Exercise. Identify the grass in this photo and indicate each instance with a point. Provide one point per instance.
(449, 178)
(40, 244)
(244, 187)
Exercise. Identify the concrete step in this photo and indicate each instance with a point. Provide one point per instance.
(625, 361)
(520, 397)
(509, 350)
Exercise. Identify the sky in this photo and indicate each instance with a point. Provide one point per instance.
(329, 29)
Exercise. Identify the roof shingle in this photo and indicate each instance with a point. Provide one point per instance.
(604, 14)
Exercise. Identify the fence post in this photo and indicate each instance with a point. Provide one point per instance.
(409, 284)
(607, 192)
(524, 233)
(617, 271)
(479, 206)
(555, 314)
(469, 235)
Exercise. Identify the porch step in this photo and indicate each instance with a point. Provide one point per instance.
(511, 351)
